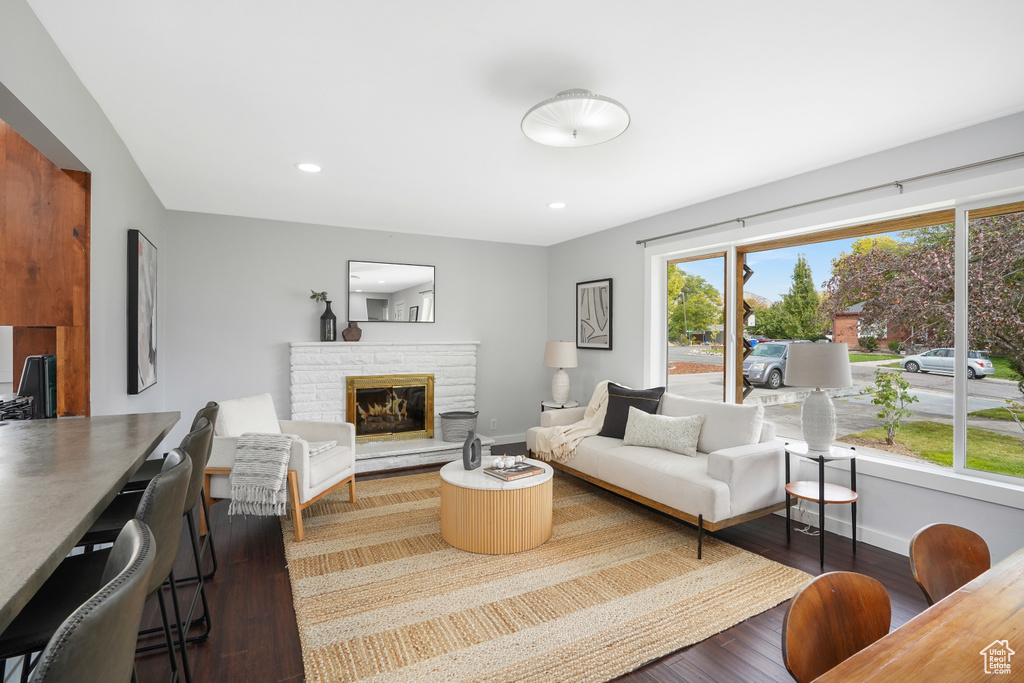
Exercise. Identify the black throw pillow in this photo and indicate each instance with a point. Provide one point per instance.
(620, 399)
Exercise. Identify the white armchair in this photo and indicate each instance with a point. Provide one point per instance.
(310, 477)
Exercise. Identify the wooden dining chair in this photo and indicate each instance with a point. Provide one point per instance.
(944, 557)
(832, 618)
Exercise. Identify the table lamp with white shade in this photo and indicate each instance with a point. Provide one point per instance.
(560, 354)
(822, 366)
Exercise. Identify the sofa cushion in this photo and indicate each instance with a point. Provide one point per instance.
(725, 424)
(675, 434)
(666, 478)
(620, 399)
(590, 452)
(250, 414)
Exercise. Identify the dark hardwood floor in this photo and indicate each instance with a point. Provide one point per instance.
(254, 635)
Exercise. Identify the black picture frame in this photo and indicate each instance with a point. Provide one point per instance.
(594, 314)
(142, 312)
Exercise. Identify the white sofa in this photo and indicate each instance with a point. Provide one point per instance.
(737, 475)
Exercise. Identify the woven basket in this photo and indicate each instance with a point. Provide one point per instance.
(456, 425)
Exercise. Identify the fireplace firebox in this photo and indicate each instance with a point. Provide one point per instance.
(390, 407)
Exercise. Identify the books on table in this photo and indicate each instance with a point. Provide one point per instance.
(520, 470)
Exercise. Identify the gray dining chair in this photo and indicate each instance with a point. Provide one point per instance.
(78, 576)
(197, 444)
(96, 643)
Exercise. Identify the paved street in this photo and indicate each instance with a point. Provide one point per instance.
(864, 373)
(854, 410)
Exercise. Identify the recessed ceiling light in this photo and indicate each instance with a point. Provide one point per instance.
(556, 205)
(308, 168)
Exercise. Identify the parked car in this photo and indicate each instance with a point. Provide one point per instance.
(979, 365)
(766, 364)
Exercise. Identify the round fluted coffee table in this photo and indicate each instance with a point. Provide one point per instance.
(482, 514)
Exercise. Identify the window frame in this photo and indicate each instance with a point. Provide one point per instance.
(979, 209)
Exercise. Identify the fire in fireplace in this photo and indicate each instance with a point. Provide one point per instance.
(391, 407)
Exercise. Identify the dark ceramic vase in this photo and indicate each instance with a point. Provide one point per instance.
(352, 333)
(472, 452)
(328, 325)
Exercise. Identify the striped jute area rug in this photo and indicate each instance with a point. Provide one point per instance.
(379, 595)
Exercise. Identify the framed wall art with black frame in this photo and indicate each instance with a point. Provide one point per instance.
(142, 348)
(594, 314)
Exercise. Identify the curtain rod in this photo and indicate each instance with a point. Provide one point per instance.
(895, 183)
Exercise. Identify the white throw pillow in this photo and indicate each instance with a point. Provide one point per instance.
(254, 414)
(676, 434)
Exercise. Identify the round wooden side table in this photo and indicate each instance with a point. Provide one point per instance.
(483, 514)
(821, 492)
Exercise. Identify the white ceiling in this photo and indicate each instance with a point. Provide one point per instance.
(413, 108)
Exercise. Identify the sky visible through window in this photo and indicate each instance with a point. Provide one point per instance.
(773, 270)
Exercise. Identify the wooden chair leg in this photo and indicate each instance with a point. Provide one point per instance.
(293, 493)
(352, 489)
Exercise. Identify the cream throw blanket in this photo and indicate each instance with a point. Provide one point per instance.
(559, 443)
(259, 473)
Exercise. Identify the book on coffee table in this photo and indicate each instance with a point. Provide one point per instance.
(518, 471)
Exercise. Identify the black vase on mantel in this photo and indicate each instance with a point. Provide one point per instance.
(328, 325)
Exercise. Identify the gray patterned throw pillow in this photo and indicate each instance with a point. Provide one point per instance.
(676, 434)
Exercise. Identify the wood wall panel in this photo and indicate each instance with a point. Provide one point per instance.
(43, 230)
(3, 231)
(44, 262)
(72, 371)
(31, 341)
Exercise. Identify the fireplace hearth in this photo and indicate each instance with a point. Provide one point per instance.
(391, 407)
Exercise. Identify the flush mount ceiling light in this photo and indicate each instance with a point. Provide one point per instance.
(575, 118)
(308, 168)
(556, 205)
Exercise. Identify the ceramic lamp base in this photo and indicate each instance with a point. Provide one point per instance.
(560, 386)
(818, 420)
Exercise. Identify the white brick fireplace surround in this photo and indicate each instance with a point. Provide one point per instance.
(319, 369)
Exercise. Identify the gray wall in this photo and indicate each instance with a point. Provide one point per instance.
(410, 296)
(45, 102)
(241, 294)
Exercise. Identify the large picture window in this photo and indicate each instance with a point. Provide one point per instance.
(933, 313)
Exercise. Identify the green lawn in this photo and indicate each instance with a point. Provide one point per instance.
(861, 357)
(997, 414)
(1002, 367)
(933, 442)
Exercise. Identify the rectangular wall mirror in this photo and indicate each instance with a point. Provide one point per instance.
(390, 292)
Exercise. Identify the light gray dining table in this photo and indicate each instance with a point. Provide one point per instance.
(56, 477)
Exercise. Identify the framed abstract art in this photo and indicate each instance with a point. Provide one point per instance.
(594, 314)
(142, 351)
